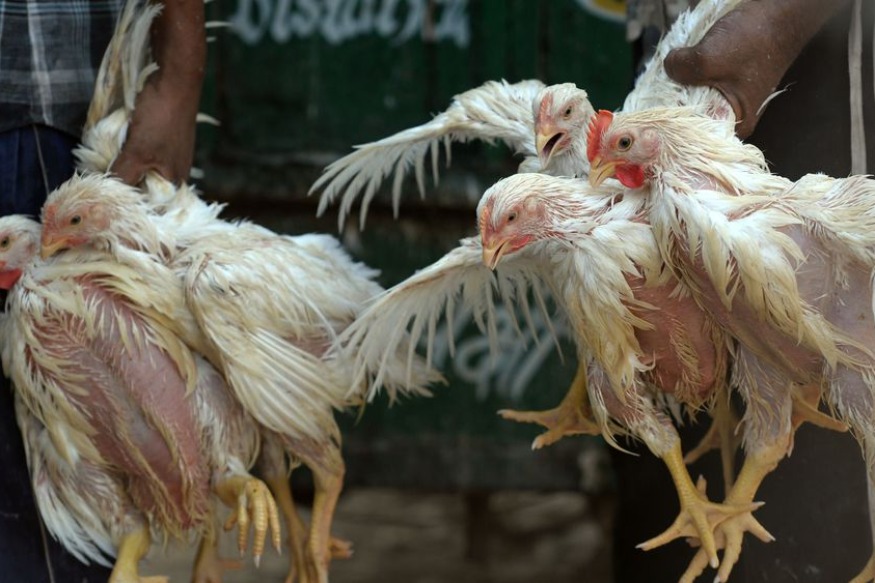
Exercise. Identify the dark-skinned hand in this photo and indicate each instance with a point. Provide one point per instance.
(161, 133)
(747, 52)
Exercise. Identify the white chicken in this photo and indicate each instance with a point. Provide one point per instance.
(126, 65)
(128, 433)
(786, 268)
(265, 315)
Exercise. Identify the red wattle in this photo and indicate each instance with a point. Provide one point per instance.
(630, 175)
(9, 278)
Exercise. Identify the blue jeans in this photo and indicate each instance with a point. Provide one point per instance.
(33, 161)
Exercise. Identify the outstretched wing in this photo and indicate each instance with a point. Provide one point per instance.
(409, 312)
(494, 111)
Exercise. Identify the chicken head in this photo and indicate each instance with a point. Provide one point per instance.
(512, 214)
(616, 151)
(78, 212)
(19, 242)
(561, 114)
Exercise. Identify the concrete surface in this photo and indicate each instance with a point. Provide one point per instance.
(412, 537)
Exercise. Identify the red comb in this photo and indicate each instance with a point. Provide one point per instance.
(598, 125)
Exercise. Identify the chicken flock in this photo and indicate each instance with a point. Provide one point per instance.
(164, 359)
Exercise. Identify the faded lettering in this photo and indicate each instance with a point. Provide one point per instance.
(338, 21)
(508, 370)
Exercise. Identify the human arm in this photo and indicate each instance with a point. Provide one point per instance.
(161, 134)
(748, 51)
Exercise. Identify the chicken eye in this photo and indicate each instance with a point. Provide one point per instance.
(567, 113)
(511, 217)
(624, 143)
(4, 242)
(75, 220)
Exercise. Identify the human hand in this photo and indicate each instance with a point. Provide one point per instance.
(160, 138)
(747, 52)
(161, 133)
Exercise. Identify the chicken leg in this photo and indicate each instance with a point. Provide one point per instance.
(133, 547)
(806, 399)
(338, 548)
(722, 436)
(324, 460)
(208, 565)
(776, 409)
(573, 416)
(274, 467)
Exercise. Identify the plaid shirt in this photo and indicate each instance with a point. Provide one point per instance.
(49, 55)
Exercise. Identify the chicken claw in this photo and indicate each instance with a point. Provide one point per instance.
(340, 548)
(699, 518)
(573, 416)
(728, 536)
(560, 422)
(255, 503)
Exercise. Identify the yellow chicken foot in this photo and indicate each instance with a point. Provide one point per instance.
(721, 435)
(132, 549)
(208, 565)
(867, 575)
(573, 416)
(338, 548)
(254, 503)
(698, 516)
(729, 533)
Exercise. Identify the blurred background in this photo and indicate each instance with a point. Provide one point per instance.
(437, 489)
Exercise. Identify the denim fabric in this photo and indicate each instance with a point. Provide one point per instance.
(23, 188)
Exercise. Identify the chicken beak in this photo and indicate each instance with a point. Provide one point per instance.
(493, 253)
(49, 246)
(599, 171)
(542, 140)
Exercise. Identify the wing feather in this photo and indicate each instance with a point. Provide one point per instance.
(494, 111)
(70, 510)
(256, 335)
(408, 313)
